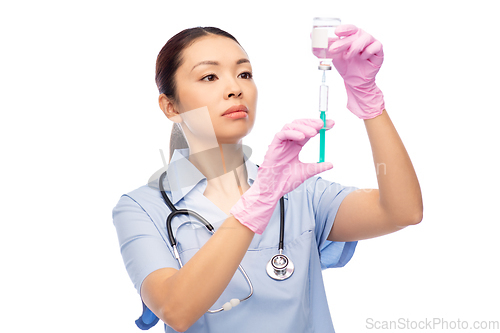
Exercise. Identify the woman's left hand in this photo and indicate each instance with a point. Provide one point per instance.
(358, 56)
(280, 173)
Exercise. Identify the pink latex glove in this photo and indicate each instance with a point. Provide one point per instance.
(280, 173)
(358, 57)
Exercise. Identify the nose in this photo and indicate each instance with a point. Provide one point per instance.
(235, 95)
(233, 89)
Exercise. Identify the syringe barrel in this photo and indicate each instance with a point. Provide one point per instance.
(323, 97)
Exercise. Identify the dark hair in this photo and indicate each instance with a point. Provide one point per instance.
(168, 61)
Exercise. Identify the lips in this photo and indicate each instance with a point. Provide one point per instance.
(236, 108)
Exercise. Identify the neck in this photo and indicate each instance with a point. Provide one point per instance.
(224, 166)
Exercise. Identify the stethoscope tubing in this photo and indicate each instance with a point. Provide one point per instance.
(210, 228)
(200, 219)
(273, 272)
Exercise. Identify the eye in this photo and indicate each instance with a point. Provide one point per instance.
(210, 77)
(246, 75)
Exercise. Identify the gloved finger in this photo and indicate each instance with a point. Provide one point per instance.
(345, 30)
(346, 33)
(375, 53)
(311, 122)
(299, 130)
(329, 124)
(317, 124)
(341, 45)
(290, 134)
(308, 131)
(312, 169)
(358, 46)
(370, 50)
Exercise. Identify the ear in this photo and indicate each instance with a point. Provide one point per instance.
(169, 109)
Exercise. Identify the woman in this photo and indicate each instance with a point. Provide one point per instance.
(206, 88)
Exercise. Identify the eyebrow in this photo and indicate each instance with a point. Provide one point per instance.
(216, 63)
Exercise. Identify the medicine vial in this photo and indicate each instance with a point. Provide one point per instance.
(323, 29)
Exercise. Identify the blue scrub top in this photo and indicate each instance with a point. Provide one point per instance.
(298, 304)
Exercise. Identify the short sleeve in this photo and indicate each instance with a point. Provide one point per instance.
(143, 246)
(326, 199)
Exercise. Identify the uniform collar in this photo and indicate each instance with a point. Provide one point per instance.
(183, 176)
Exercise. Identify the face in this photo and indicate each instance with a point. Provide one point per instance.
(215, 75)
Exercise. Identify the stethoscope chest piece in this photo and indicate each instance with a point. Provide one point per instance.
(279, 267)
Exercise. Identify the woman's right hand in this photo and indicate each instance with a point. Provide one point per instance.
(280, 173)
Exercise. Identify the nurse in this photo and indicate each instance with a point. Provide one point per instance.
(207, 90)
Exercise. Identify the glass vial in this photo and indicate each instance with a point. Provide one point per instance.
(323, 28)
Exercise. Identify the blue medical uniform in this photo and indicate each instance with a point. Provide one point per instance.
(298, 304)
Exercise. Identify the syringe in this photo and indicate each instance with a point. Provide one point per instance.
(322, 35)
(323, 108)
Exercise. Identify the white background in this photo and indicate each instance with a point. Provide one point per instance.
(81, 126)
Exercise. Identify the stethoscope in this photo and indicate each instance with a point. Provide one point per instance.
(280, 267)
